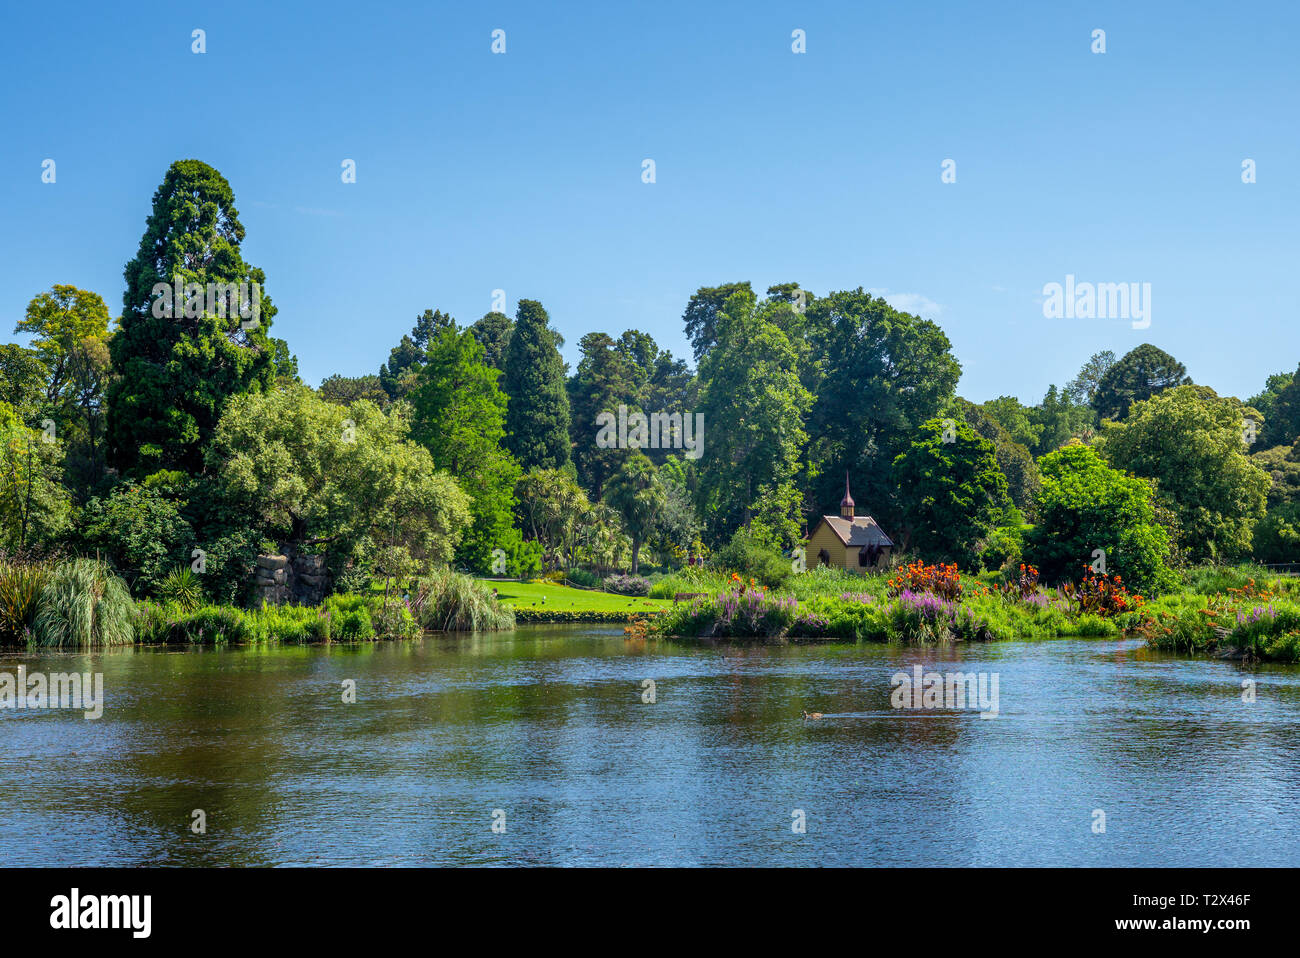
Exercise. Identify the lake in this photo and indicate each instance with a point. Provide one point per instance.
(545, 732)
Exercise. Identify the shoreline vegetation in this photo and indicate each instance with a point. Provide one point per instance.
(169, 477)
(1235, 612)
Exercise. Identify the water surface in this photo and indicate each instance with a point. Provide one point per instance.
(547, 725)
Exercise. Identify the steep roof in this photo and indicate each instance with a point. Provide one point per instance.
(858, 531)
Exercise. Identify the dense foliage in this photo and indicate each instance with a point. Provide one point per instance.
(176, 447)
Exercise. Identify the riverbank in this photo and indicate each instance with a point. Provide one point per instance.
(1224, 612)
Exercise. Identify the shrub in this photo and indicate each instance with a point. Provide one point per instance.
(1022, 585)
(142, 528)
(752, 558)
(153, 622)
(349, 616)
(627, 584)
(20, 589)
(1002, 547)
(394, 621)
(181, 587)
(83, 605)
(584, 578)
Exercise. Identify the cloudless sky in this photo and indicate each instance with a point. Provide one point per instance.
(522, 171)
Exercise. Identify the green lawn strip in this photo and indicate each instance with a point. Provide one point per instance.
(537, 602)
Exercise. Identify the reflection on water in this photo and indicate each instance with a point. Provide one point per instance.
(548, 725)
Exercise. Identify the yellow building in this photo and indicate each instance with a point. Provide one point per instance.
(847, 541)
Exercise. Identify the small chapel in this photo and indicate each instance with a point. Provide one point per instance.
(848, 541)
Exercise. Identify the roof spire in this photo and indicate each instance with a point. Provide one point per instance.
(846, 504)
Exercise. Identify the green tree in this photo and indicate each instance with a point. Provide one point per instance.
(1191, 445)
(398, 375)
(1282, 463)
(950, 491)
(879, 374)
(1277, 536)
(1085, 506)
(554, 511)
(345, 390)
(753, 406)
(493, 333)
(459, 416)
(22, 377)
(1014, 460)
(286, 363)
(69, 331)
(35, 506)
(701, 316)
(1060, 418)
(1015, 419)
(142, 528)
(638, 495)
(1281, 410)
(537, 413)
(1143, 372)
(1082, 389)
(605, 379)
(301, 470)
(176, 373)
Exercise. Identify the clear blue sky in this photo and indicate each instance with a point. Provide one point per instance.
(523, 171)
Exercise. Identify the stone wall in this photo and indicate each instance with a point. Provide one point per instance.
(289, 578)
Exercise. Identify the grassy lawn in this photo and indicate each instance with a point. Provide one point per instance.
(559, 598)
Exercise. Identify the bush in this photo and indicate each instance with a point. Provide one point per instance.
(751, 558)
(83, 605)
(1002, 547)
(740, 611)
(20, 589)
(349, 617)
(627, 584)
(394, 621)
(181, 587)
(582, 577)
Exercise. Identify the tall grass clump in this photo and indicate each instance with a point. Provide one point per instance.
(453, 602)
(83, 606)
(690, 579)
(20, 589)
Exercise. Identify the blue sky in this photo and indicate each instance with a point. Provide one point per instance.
(522, 171)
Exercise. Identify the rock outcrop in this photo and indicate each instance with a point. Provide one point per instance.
(289, 578)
